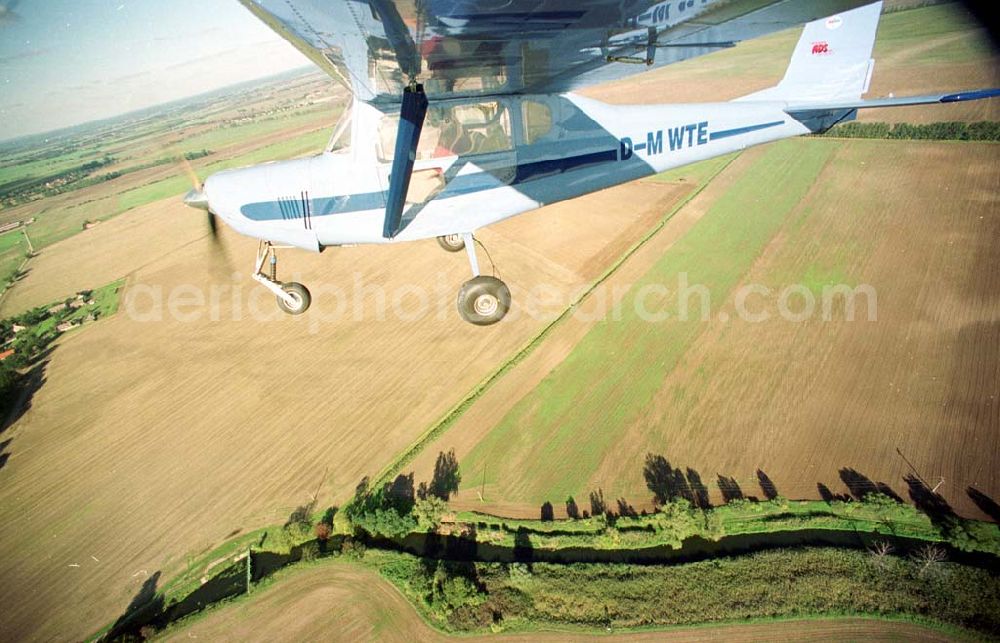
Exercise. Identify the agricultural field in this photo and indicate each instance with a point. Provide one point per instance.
(215, 436)
(913, 391)
(94, 173)
(173, 426)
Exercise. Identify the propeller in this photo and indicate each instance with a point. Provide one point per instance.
(196, 198)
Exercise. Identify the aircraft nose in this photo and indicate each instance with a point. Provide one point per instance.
(196, 198)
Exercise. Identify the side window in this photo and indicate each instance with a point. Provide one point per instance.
(469, 129)
(537, 120)
(483, 128)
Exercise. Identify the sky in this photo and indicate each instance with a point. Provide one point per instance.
(64, 62)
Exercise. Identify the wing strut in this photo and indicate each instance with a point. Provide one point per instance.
(411, 122)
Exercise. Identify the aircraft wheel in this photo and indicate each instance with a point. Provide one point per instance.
(300, 294)
(452, 242)
(483, 300)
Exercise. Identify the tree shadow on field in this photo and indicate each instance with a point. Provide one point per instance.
(767, 486)
(626, 510)
(446, 476)
(730, 488)
(4, 456)
(145, 607)
(30, 383)
(665, 482)
(829, 496)
(861, 485)
(25, 387)
(699, 490)
(931, 503)
(547, 512)
(23, 274)
(572, 509)
(597, 504)
(986, 504)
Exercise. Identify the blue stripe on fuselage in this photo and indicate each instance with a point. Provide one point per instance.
(460, 185)
(743, 130)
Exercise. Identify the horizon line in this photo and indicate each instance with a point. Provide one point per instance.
(64, 130)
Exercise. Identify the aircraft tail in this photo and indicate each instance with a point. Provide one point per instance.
(832, 60)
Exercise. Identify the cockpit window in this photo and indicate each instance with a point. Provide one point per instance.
(455, 130)
(340, 140)
(537, 120)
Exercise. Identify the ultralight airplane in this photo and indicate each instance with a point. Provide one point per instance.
(462, 115)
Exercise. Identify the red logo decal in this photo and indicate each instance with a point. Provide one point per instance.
(820, 48)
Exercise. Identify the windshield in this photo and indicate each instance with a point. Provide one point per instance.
(340, 140)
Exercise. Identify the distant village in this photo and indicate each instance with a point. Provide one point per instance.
(13, 225)
(26, 335)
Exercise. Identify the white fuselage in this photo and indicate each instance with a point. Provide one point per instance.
(576, 146)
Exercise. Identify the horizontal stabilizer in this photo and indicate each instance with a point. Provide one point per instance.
(820, 116)
(902, 101)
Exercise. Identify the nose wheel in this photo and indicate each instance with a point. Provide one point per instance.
(293, 298)
(451, 242)
(482, 300)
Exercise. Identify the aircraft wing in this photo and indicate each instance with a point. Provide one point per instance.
(466, 48)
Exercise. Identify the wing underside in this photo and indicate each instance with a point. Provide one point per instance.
(465, 48)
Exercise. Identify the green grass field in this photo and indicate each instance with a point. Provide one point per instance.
(11, 240)
(12, 253)
(959, 38)
(223, 137)
(550, 443)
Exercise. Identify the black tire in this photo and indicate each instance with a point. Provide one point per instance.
(483, 300)
(299, 292)
(452, 242)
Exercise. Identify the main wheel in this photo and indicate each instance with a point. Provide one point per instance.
(452, 242)
(483, 300)
(300, 294)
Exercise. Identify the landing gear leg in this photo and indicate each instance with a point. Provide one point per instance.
(482, 300)
(293, 297)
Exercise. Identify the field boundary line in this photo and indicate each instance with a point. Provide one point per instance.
(455, 412)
